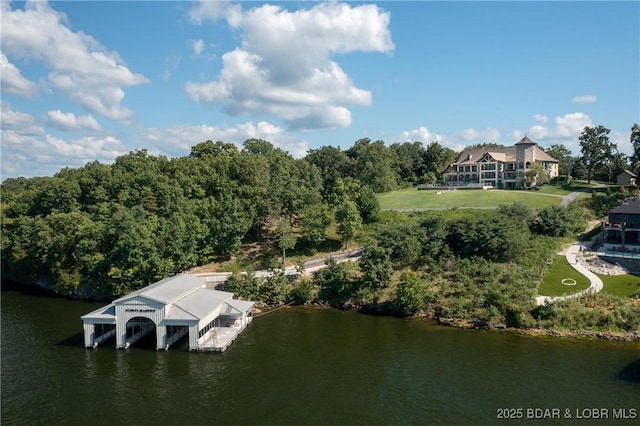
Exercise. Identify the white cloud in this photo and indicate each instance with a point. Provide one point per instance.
(481, 136)
(421, 134)
(622, 140)
(27, 148)
(178, 140)
(165, 75)
(584, 99)
(69, 121)
(19, 122)
(45, 155)
(566, 131)
(197, 46)
(571, 125)
(80, 67)
(284, 66)
(214, 11)
(424, 135)
(542, 119)
(12, 81)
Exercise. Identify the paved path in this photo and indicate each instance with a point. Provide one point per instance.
(572, 257)
(310, 266)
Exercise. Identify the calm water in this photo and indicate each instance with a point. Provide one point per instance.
(300, 366)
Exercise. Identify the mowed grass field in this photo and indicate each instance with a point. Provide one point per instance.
(621, 285)
(552, 283)
(463, 198)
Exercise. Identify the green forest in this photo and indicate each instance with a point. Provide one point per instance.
(104, 230)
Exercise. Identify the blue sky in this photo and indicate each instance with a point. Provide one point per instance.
(85, 81)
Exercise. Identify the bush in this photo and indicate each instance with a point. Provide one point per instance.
(412, 293)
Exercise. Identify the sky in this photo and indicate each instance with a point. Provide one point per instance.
(85, 81)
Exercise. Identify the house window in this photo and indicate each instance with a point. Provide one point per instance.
(521, 165)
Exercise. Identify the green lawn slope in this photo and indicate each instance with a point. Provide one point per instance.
(463, 198)
(552, 283)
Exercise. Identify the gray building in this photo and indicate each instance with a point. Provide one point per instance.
(622, 231)
(626, 178)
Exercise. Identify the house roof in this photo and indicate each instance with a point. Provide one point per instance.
(499, 156)
(629, 206)
(543, 156)
(504, 154)
(625, 171)
(473, 155)
(526, 141)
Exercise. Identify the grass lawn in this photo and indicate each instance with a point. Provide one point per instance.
(620, 285)
(472, 198)
(552, 284)
(563, 188)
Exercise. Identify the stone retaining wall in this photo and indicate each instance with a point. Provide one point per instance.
(632, 265)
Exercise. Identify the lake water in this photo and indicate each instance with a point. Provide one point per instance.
(305, 366)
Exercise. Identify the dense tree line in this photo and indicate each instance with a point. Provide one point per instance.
(105, 230)
(114, 228)
(599, 158)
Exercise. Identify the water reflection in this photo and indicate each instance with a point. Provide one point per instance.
(301, 366)
(631, 372)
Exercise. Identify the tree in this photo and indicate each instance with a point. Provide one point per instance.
(333, 282)
(333, 164)
(411, 293)
(214, 149)
(314, 222)
(274, 288)
(562, 154)
(619, 163)
(349, 221)
(374, 164)
(488, 237)
(376, 267)
(596, 148)
(556, 221)
(368, 205)
(437, 158)
(286, 238)
(409, 161)
(536, 175)
(635, 144)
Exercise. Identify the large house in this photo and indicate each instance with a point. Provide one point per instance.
(622, 231)
(499, 167)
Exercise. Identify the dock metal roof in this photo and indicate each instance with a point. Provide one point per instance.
(167, 290)
(201, 302)
(185, 297)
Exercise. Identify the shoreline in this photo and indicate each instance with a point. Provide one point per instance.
(616, 336)
(611, 336)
